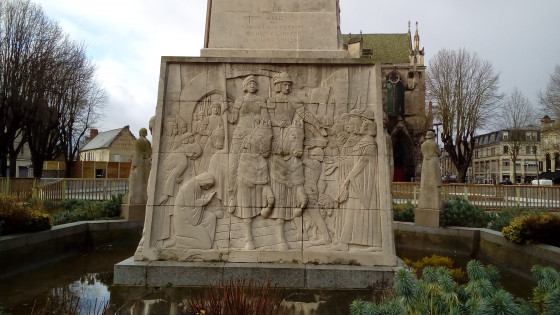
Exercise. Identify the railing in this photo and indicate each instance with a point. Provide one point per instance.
(80, 188)
(491, 197)
(21, 188)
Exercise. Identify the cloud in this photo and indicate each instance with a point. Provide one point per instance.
(126, 39)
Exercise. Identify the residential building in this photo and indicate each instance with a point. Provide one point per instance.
(110, 151)
(404, 93)
(492, 161)
(24, 167)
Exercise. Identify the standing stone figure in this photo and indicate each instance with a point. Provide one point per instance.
(361, 222)
(429, 203)
(246, 110)
(140, 169)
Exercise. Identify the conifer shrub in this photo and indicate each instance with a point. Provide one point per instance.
(436, 293)
(534, 228)
(19, 217)
(404, 212)
(460, 212)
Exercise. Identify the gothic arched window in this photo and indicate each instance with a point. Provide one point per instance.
(395, 95)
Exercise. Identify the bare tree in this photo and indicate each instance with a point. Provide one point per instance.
(465, 90)
(47, 87)
(16, 19)
(550, 98)
(516, 116)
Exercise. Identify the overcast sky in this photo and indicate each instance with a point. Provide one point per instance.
(126, 39)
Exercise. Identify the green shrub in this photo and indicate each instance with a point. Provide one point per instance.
(540, 228)
(502, 218)
(18, 217)
(74, 210)
(436, 293)
(404, 212)
(460, 212)
(546, 296)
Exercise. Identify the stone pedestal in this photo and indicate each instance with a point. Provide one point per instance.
(427, 217)
(273, 28)
(303, 276)
(133, 212)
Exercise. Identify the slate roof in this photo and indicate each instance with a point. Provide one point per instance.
(387, 48)
(104, 139)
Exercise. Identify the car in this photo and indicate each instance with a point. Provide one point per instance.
(542, 182)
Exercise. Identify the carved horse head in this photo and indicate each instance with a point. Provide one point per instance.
(259, 141)
(292, 139)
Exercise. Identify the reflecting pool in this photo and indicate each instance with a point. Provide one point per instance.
(90, 276)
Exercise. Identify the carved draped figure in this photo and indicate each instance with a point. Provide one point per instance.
(361, 223)
(194, 225)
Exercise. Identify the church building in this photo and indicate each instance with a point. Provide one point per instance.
(404, 93)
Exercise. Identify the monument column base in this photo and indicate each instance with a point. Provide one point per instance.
(426, 217)
(133, 212)
(303, 276)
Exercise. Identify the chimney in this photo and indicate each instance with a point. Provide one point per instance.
(93, 133)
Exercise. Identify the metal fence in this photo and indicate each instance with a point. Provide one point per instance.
(491, 197)
(80, 188)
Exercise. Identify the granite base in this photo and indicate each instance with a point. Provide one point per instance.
(169, 273)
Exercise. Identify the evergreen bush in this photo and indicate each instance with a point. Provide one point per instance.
(502, 218)
(460, 212)
(18, 217)
(404, 212)
(74, 210)
(539, 228)
(437, 293)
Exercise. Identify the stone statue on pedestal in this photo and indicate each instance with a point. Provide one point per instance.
(429, 204)
(140, 169)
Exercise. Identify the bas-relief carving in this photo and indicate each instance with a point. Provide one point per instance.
(293, 167)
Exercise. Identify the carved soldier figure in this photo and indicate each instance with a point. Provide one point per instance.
(282, 108)
(245, 111)
(254, 195)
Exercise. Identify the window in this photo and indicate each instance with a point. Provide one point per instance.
(527, 150)
(505, 163)
(492, 138)
(506, 149)
(395, 95)
(505, 135)
(493, 151)
(476, 154)
(534, 149)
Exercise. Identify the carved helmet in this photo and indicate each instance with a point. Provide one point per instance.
(248, 79)
(281, 77)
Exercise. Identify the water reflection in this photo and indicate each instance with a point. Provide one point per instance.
(90, 277)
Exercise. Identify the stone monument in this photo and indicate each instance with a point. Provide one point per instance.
(135, 208)
(275, 166)
(429, 203)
